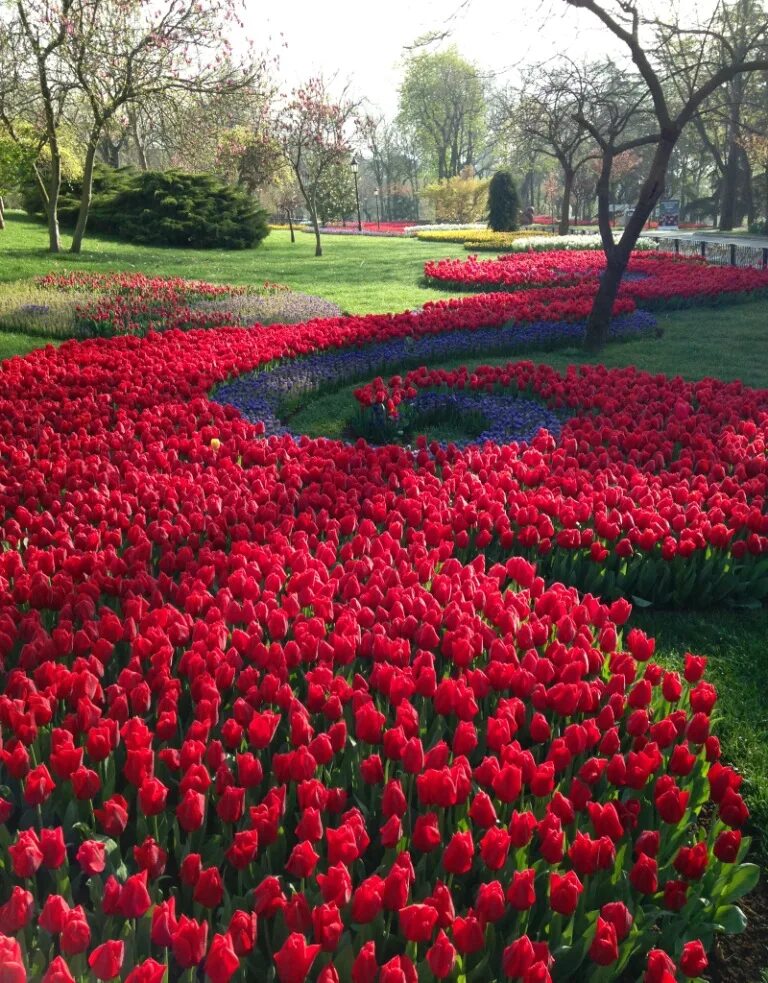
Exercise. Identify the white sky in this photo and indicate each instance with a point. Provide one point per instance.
(362, 42)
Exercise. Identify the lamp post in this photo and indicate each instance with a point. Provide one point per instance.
(378, 220)
(355, 168)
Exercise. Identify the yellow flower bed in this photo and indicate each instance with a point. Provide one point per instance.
(477, 236)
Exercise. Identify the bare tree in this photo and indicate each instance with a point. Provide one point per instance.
(312, 130)
(662, 52)
(288, 199)
(725, 120)
(388, 159)
(545, 113)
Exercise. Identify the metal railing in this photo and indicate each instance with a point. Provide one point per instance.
(718, 253)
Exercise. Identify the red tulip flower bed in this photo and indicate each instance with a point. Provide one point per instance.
(655, 489)
(655, 279)
(297, 710)
(136, 304)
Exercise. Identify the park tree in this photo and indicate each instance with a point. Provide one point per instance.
(249, 157)
(34, 88)
(18, 157)
(725, 119)
(197, 132)
(656, 47)
(458, 199)
(503, 202)
(443, 104)
(107, 57)
(313, 131)
(755, 146)
(287, 198)
(336, 193)
(545, 113)
(389, 161)
(123, 51)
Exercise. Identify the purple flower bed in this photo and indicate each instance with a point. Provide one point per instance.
(267, 396)
(503, 419)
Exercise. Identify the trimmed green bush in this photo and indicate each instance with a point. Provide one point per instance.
(503, 202)
(163, 208)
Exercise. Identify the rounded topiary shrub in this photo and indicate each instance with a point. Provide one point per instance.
(503, 203)
(164, 208)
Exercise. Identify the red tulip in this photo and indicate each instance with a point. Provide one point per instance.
(106, 960)
(222, 961)
(294, 958)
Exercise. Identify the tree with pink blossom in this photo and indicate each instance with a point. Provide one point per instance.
(314, 131)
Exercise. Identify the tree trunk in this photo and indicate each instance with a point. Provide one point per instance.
(316, 227)
(746, 200)
(2, 213)
(85, 198)
(565, 212)
(52, 203)
(442, 165)
(617, 256)
(765, 178)
(290, 226)
(728, 194)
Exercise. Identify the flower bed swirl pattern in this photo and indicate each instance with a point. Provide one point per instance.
(268, 397)
(267, 705)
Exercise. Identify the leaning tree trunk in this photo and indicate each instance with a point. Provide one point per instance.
(618, 255)
(565, 211)
(85, 198)
(290, 226)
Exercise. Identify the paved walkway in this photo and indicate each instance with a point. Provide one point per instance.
(725, 238)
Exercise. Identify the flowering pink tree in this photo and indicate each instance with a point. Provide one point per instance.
(313, 134)
(111, 55)
(121, 52)
(34, 86)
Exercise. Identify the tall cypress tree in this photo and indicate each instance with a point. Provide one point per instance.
(503, 202)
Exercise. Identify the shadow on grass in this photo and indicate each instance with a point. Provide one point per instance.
(736, 644)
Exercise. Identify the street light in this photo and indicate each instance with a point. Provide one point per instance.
(378, 220)
(355, 168)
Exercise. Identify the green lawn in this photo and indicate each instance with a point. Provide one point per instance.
(735, 643)
(20, 344)
(363, 275)
(375, 275)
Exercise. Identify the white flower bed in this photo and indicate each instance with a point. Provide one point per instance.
(542, 244)
(412, 230)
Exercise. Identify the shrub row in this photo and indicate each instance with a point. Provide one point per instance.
(162, 208)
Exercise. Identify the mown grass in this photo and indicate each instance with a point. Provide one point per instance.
(363, 275)
(735, 643)
(12, 344)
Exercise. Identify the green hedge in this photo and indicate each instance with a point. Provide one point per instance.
(162, 208)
